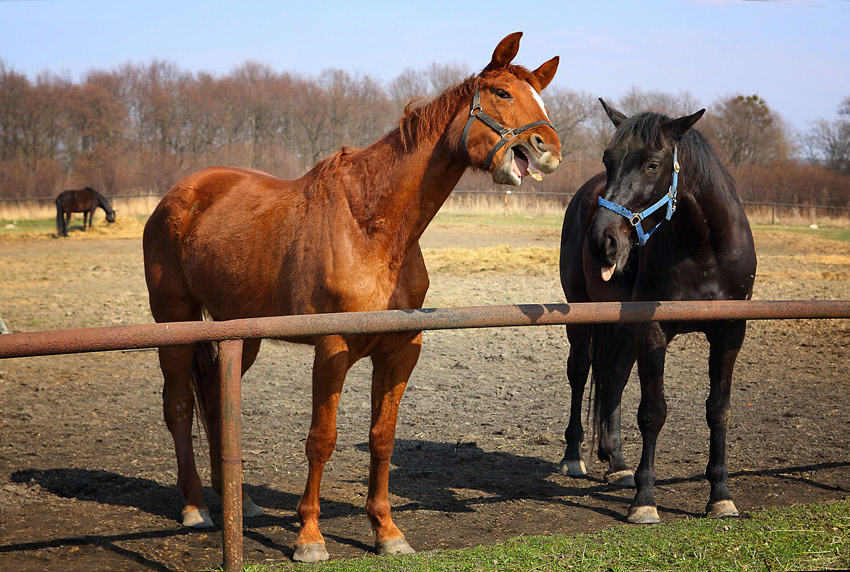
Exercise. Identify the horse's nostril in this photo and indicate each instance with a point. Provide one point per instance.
(610, 242)
(537, 141)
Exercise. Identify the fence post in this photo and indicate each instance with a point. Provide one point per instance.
(230, 372)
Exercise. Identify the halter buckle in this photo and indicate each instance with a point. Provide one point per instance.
(635, 220)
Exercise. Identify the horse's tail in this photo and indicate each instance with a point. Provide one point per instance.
(204, 377)
(613, 345)
(60, 217)
(594, 392)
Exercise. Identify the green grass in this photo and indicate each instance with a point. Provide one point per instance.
(840, 234)
(809, 537)
(27, 226)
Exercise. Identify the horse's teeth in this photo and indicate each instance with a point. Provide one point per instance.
(536, 176)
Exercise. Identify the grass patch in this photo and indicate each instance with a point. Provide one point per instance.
(531, 260)
(497, 219)
(809, 537)
(838, 234)
(123, 227)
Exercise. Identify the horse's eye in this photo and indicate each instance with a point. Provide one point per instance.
(652, 167)
(501, 93)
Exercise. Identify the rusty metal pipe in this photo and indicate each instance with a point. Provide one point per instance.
(177, 333)
(230, 378)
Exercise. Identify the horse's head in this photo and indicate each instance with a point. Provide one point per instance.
(640, 192)
(507, 130)
(110, 216)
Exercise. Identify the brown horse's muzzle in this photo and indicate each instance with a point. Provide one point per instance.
(532, 156)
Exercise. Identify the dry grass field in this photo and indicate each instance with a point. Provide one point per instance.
(87, 468)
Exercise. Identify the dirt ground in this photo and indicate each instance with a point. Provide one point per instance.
(87, 469)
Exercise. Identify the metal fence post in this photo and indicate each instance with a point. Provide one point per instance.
(230, 371)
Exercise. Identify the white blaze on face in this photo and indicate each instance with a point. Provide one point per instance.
(539, 101)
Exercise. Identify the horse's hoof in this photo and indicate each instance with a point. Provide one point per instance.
(197, 518)
(573, 468)
(721, 509)
(312, 552)
(250, 509)
(625, 479)
(394, 546)
(643, 515)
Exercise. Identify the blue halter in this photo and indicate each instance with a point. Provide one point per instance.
(637, 218)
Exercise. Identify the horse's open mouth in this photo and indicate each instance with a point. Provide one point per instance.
(523, 166)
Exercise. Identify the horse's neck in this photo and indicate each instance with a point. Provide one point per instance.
(421, 181)
(710, 216)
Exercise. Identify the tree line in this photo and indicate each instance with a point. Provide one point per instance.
(139, 128)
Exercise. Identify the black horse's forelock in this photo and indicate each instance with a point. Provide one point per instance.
(696, 156)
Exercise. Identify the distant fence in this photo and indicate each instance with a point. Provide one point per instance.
(508, 200)
(530, 201)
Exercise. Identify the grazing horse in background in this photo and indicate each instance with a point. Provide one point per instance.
(85, 201)
(701, 248)
(342, 238)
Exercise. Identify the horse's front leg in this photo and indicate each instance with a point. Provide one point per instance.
(393, 362)
(651, 343)
(725, 343)
(613, 358)
(330, 364)
(578, 367)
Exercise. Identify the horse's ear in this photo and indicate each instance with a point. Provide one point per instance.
(505, 52)
(546, 72)
(615, 116)
(675, 128)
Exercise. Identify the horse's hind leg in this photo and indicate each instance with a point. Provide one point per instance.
(171, 301)
(613, 359)
(178, 402)
(330, 364)
(578, 367)
(212, 411)
(725, 344)
(391, 370)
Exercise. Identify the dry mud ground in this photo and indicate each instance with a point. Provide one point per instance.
(87, 471)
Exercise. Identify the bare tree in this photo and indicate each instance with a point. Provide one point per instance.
(637, 100)
(443, 76)
(745, 130)
(827, 143)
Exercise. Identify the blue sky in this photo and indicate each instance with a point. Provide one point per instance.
(793, 53)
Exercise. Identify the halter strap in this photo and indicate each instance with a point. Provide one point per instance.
(635, 219)
(505, 134)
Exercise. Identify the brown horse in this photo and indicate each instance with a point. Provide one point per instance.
(85, 201)
(342, 238)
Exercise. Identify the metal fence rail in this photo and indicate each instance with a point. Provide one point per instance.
(231, 333)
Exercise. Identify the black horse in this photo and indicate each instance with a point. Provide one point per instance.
(84, 201)
(701, 248)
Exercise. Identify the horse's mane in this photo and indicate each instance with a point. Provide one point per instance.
(698, 159)
(101, 199)
(419, 123)
(416, 125)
